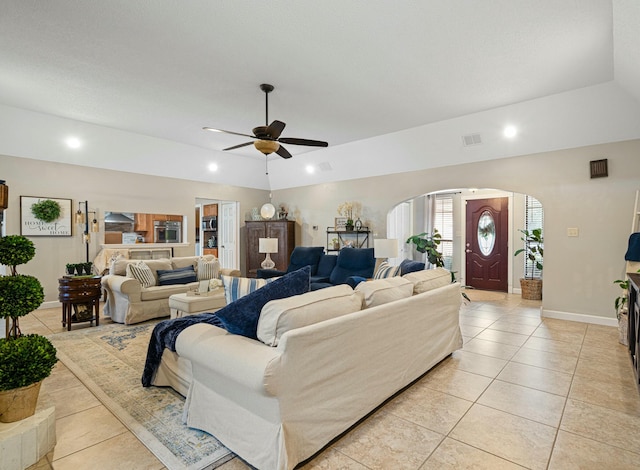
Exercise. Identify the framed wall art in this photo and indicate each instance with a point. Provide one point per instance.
(340, 223)
(45, 217)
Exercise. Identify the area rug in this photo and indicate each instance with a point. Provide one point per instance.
(109, 360)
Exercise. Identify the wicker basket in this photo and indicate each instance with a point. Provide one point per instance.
(531, 289)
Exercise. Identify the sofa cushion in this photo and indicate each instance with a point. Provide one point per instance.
(279, 316)
(141, 272)
(208, 269)
(237, 287)
(164, 292)
(385, 270)
(409, 266)
(428, 279)
(382, 291)
(168, 277)
(241, 317)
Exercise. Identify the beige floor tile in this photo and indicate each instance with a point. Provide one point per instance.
(542, 407)
(567, 336)
(117, 453)
(573, 452)
(69, 400)
(234, 464)
(601, 424)
(607, 393)
(510, 437)
(503, 337)
(60, 379)
(547, 360)
(330, 459)
(614, 371)
(454, 455)
(429, 408)
(84, 429)
(564, 325)
(385, 441)
(601, 341)
(617, 353)
(456, 382)
(42, 464)
(475, 363)
(475, 321)
(511, 327)
(481, 313)
(521, 319)
(539, 378)
(553, 346)
(491, 348)
(470, 331)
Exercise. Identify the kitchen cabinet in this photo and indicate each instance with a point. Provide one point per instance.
(283, 230)
(210, 210)
(210, 251)
(143, 222)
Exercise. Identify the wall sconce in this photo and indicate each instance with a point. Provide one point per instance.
(268, 246)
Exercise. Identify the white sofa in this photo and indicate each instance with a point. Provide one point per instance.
(128, 302)
(276, 406)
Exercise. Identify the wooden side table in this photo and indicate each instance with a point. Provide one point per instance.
(80, 298)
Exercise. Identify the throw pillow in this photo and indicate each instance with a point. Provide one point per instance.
(409, 266)
(241, 317)
(385, 270)
(208, 269)
(168, 277)
(428, 279)
(279, 316)
(237, 287)
(142, 273)
(382, 291)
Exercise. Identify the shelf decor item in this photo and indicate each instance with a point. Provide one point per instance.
(268, 246)
(45, 217)
(46, 210)
(349, 210)
(533, 250)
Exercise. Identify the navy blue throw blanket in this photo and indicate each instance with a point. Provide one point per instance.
(633, 250)
(164, 336)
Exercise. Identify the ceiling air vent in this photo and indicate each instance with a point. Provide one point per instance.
(471, 139)
(599, 168)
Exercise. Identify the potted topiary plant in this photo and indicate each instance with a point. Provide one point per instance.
(71, 268)
(533, 250)
(25, 360)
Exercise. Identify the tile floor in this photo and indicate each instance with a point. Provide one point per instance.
(524, 392)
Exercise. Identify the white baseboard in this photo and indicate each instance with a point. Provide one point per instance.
(517, 290)
(580, 317)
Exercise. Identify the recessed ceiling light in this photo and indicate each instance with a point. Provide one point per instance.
(510, 132)
(311, 169)
(73, 142)
(213, 167)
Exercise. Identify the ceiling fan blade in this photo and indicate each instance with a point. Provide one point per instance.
(228, 132)
(238, 146)
(275, 129)
(307, 142)
(283, 152)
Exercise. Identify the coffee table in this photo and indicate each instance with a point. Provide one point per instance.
(182, 304)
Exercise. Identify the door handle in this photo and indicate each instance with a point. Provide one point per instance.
(468, 250)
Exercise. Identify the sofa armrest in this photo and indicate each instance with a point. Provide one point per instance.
(123, 285)
(219, 355)
(230, 272)
(269, 273)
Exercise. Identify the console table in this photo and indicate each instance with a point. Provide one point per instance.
(80, 298)
(634, 323)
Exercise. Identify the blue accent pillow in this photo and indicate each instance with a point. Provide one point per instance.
(168, 277)
(409, 266)
(241, 317)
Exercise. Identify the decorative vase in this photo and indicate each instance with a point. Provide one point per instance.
(19, 403)
(531, 289)
(255, 214)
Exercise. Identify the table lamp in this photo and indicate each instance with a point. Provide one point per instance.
(268, 246)
(385, 248)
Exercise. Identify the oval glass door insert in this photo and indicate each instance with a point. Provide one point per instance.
(486, 233)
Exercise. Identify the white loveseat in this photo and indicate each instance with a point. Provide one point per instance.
(129, 302)
(276, 406)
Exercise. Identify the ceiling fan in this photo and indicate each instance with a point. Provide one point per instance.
(267, 138)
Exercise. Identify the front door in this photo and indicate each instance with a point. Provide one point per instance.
(487, 262)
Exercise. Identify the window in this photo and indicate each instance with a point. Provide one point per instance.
(533, 218)
(443, 222)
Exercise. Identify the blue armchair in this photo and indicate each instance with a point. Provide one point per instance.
(301, 256)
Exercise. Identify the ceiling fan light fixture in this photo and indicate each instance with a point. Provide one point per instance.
(266, 146)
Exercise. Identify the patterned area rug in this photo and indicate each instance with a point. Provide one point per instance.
(109, 361)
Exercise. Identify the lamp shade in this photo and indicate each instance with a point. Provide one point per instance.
(385, 247)
(267, 245)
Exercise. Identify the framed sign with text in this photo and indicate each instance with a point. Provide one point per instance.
(32, 226)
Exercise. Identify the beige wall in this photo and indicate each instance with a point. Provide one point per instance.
(578, 272)
(105, 190)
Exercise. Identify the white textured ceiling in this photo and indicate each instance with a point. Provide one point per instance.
(343, 71)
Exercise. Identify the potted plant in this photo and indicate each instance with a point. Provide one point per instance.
(428, 244)
(534, 251)
(349, 210)
(25, 360)
(71, 268)
(620, 304)
(336, 243)
(86, 267)
(47, 210)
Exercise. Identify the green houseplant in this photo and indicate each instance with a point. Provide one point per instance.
(428, 244)
(534, 251)
(620, 304)
(25, 360)
(47, 210)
